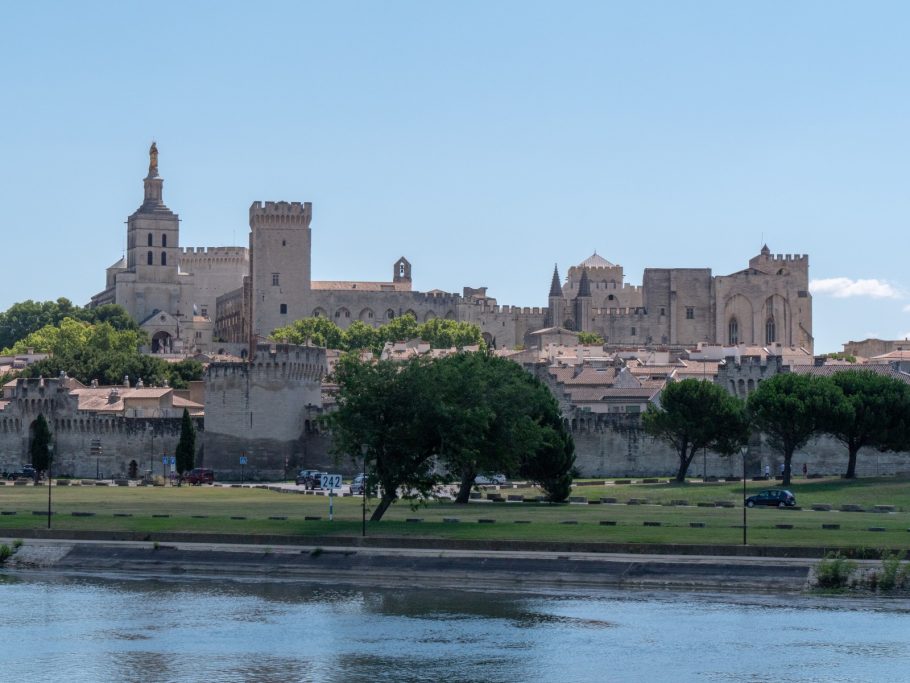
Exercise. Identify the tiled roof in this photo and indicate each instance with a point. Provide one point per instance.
(828, 370)
(590, 375)
(595, 260)
(361, 286)
(612, 393)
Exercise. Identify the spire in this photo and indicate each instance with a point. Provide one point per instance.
(555, 287)
(765, 251)
(153, 184)
(584, 287)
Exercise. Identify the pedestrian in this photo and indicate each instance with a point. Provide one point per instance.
(805, 470)
(782, 469)
(767, 471)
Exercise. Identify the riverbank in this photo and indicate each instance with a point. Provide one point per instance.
(395, 567)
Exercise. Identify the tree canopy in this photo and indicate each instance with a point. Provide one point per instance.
(185, 455)
(438, 332)
(23, 318)
(471, 412)
(101, 352)
(694, 415)
(878, 415)
(590, 338)
(39, 449)
(792, 408)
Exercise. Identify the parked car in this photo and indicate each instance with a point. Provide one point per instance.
(775, 497)
(200, 475)
(497, 479)
(27, 472)
(309, 479)
(357, 485)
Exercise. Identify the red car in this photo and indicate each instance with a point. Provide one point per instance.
(200, 475)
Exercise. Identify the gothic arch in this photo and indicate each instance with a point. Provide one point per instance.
(411, 313)
(320, 313)
(429, 315)
(776, 320)
(366, 315)
(738, 308)
(450, 315)
(342, 314)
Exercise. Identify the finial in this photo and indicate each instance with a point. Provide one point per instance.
(153, 160)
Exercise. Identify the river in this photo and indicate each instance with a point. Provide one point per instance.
(110, 629)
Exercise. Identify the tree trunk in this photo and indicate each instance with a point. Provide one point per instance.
(464, 491)
(787, 458)
(851, 462)
(384, 504)
(684, 462)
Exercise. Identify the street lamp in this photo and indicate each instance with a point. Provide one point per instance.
(363, 514)
(50, 461)
(744, 451)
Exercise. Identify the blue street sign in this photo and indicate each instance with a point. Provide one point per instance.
(173, 459)
(243, 460)
(164, 460)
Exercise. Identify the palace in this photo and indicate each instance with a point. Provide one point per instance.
(197, 300)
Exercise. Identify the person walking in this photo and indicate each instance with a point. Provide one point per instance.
(767, 471)
(805, 470)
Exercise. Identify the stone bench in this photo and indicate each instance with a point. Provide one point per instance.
(199, 516)
(705, 505)
(831, 526)
(650, 523)
(884, 508)
(609, 501)
(522, 521)
(21, 482)
(101, 483)
(82, 514)
(678, 502)
(278, 518)
(515, 498)
(783, 526)
(697, 525)
(122, 482)
(486, 521)
(237, 517)
(876, 528)
(850, 507)
(413, 520)
(821, 507)
(123, 514)
(578, 499)
(62, 482)
(732, 479)
(608, 522)
(637, 501)
(650, 480)
(569, 521)
(312, 518)
(42, 513)
(476, 495)
(450, 520)
(161, 516)
(622, 481)
(724, 503)
(8, 512)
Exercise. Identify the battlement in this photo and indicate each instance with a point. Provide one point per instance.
(512, 310)
(290, 214)
(786, 257)
(275, 361)
(232, 252)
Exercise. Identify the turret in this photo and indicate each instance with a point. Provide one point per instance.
(556, 302)
(583, 304)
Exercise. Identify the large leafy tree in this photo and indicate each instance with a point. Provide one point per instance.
(445, 334)
(317, 331)
(185, 455)
(879, 414)
(384, 415)
(694, 415)
(41, 443)
(792, 408)
(23, 318)
(495, 417)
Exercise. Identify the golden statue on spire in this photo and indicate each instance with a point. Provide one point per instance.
(153, 160)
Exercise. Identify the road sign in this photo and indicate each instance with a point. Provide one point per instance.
(164, 460)
(330, 481)
(173, 459)
(243, 460)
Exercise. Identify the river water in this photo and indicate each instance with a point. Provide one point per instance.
(107, 629)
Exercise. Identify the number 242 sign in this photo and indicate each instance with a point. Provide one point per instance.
(330, 481)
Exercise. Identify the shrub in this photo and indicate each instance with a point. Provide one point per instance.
(17, 544)
(833, 571)
(5, 553)
(894, 571)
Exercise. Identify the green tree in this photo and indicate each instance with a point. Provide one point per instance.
(879, 415)
(590, 338)
(402, 328)
(185, 455)
(360, 336)
(445, 334)
(317, 331)
(40, 446)
(792, 408)
(693, 415)
(385, 409)
(493, 417)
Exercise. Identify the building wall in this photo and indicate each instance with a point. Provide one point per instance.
(215, 271)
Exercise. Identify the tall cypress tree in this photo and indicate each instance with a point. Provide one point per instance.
(186, 447)
(40, 448)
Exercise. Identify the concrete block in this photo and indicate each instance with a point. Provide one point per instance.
(783, 526)
(569, 521)
(697, 525)
(830, 526)
(450, 520)
(651, 523)
(608, 522)
(821, 507)
(884, 508)
(486, 521)
(609, 501)
(851, 507)
(161, 516)
(876, 528)
(312, 518)
(82, 514)
(277, 517)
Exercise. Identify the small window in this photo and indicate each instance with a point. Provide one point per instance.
(633, 331)
(163, 258)
(284, 243)
(149, 259)
(283, 309)
(690, 313)
(389, 314)
(770, 331)
(733, 332)
(275, 279)
(205, 312)
(150, 239)
(663, 311)
(611, 297)
(164, 240)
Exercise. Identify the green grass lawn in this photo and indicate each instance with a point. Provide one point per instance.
(547, 522)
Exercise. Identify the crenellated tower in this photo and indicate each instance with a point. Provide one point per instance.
(556, 302)
(583, 304)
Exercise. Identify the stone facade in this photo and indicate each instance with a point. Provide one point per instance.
(264, 409)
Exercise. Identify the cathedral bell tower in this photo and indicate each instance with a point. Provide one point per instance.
(583, 304)
(555, 302)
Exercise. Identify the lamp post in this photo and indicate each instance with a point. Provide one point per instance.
(50, 462)
(363, 512)
(744, 450)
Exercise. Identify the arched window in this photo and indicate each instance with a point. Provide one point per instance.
(770, 331)
(149, 259)
(401, 270)
(733, 332)
(163, 258)
(150, 239)
(164, 240)
(389, 314)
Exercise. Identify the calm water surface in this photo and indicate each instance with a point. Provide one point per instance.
(77, 629)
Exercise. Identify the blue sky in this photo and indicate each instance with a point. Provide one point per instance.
(483, 140)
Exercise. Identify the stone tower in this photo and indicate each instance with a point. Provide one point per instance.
(556, 303)
(583, 304)
(401, 271)
(280, 244)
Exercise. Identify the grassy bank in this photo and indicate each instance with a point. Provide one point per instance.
(207, 509)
